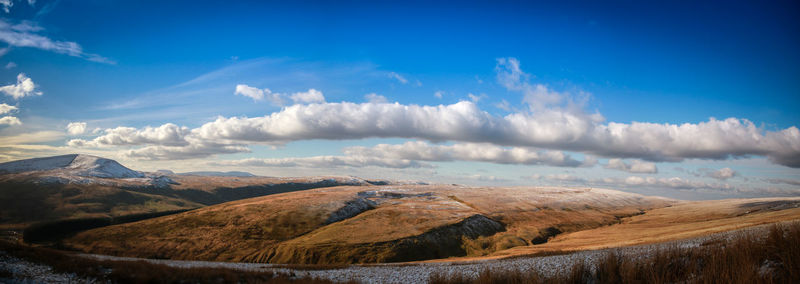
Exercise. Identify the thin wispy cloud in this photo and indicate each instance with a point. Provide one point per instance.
(398, 77)
(28, 34)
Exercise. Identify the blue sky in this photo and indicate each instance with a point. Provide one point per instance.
(571, 71)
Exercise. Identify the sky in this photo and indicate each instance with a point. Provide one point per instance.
(684, 99)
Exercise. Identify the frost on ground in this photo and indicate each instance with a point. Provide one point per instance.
(420, 272)
(15, 270)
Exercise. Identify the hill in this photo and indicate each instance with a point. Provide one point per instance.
(83, 186)
(368, 224)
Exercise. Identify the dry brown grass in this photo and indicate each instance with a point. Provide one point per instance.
(681, 221)
(747, 258)
(291, 228)
(141, 271)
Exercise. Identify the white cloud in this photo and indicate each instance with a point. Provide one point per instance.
(672, 182)
(488, 178)
(190, 151)
(76, 128)
(635, 166)
(7, 4)
(25, 35)
(438, 94)
(325, 162)
(310, 96)
(375, 98)
(279, 99)
(537, 96)
(504, 105)
(479, 152)
(23, 88)
(168, 135)
(11, 65)
(551, 129)
(564, 178)
(5, 108)
(9, 120)
(398, 77)
(558, 130)
(254, 93)
(722, 174)
(476, 98)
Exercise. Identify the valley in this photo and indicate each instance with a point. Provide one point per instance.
(98, 207)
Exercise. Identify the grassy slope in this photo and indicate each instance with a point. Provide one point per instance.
(685, 220)
(291, 227)
(23, 202)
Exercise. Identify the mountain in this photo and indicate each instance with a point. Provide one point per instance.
(73, 164)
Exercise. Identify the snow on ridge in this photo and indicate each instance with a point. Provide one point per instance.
(73, 164)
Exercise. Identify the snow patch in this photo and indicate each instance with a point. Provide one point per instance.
(72, 165)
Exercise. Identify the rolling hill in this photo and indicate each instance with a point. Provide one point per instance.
(368, 224)
(84, 186)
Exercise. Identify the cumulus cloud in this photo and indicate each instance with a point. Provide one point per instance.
(635, 166)
(398, 77)
(254, 93)
(722, 174)
(479, 152)
(279, 99)
(310, 96)
(375, 98)
(166, 135)
(325, 162)
(190, 151)
(76, 128)
(9, 120)
(5, 108)
(25, 34)
(166, 142)
(464, 122)
(23, 88)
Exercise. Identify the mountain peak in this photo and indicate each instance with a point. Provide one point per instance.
(73, 164)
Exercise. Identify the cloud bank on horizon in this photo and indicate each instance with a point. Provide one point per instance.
(511, 121)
